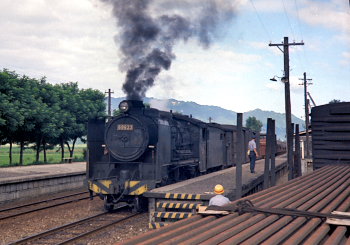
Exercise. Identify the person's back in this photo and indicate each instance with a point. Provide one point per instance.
(219, 199)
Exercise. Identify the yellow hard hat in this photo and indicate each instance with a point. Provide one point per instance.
(219, 189)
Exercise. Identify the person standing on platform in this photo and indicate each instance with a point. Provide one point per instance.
(252, 153)
(219, 199)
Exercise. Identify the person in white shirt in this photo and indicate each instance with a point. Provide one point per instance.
(252, 153)
(219, 199)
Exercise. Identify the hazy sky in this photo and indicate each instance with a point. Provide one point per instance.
(67, 40)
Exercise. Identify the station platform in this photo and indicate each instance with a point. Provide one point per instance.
(204, 185)
(27, 181)
(32, 172)
(181, 200)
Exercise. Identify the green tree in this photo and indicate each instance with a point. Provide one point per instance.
(78, 107)
(35, 112)
(334, 101)
(11, 117)
(254, 124)
(48, 124)
(32, 108)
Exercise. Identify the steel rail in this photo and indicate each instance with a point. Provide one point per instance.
(323, 230)
(43, 208)
(41, 234)
(179, 224)
(197, 235)
(98, 229)
(288, 216)
(270, 199)
(59, 228)
(47, 200)
(273, 223)
(304, 231)
(286, 186)
(203, 233)
(290, 225)
(296, 197)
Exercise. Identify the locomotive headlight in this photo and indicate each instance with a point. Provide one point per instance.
(124, 106)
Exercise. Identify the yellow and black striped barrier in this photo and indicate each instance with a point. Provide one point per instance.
(167, 207)
(175, 205)
(182, 196)
(172, 215)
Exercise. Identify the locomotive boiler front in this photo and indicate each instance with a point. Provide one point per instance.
(129, 135)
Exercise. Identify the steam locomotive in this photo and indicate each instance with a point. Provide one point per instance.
(143, 148)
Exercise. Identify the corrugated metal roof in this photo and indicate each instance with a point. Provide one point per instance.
(322, 191)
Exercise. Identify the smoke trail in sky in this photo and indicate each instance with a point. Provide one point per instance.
(149, 29)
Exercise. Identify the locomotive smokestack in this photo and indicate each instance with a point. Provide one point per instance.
(146, 37)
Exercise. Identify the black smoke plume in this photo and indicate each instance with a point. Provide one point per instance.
(148, 30)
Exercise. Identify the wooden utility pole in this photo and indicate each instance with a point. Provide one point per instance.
(285, 79)
(109, 92)
(240, 155)
(268, 148)
(297, 161)
(273, 153)
(307, 122)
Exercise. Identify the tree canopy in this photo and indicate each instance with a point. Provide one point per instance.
(34, 112)
(254, 124)
(334, 101)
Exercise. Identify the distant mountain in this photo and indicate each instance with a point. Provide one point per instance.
(217, 114)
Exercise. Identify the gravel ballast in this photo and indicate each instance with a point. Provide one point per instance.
(13, 229)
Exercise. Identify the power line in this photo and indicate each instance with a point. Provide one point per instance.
(303, 62)
(298, 19)
(290, 26)
(262, 23)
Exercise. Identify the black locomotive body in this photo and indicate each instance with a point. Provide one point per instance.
(144, 148)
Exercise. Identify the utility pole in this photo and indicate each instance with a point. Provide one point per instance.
(289, 133)
(307, 122)
(109, 92)
(240, 155)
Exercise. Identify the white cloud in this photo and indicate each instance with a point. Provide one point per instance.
(74, 41)
(295, 84)
(63, 40)
(345, 61)
(333, 14)
(209, 67)
(346, 55)
(278, 86)
(258, 45)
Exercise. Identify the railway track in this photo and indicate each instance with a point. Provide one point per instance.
(41, 205)
(71, 232)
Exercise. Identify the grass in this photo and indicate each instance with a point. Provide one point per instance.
(53, 156)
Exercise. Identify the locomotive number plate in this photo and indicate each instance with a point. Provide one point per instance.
(125, 127)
